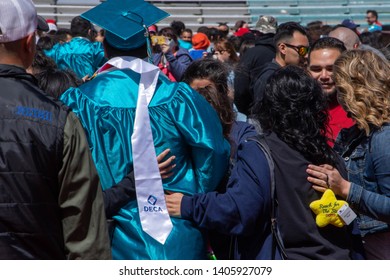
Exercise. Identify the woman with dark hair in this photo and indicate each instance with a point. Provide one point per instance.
(209, 77)
(170, 57)
(293, 116)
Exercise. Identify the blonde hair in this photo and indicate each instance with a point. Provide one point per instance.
(363, 82)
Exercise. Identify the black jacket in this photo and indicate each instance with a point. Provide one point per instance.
(302, 238)
(249, 68)
(257, 87)
(31, 147)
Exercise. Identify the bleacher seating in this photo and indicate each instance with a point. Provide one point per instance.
(198, 13)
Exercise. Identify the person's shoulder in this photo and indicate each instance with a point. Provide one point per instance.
(265, 71)
(381, 137)
(182, 51)
(250, 143)
(242, 130)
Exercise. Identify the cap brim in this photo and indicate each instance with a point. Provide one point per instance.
(42, 24)
(124, 18)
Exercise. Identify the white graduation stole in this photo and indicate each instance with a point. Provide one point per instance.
(152, 208)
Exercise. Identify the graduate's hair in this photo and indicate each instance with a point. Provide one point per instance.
(110, 51)
(295, 109)
(41, 62)
(80, 27)
(217, 96)
(54, 81)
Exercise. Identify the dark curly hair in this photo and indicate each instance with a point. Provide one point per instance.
(295, 109)
(217, 73)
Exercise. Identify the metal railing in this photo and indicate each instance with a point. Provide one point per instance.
(198, 13)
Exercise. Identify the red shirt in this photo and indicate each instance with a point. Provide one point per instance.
(338, 120)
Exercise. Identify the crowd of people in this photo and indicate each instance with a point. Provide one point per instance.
(123, 140)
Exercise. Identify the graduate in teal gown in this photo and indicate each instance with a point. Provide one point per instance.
(81, 55)
(181, 119)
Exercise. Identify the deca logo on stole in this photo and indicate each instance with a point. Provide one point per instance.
(152, 200)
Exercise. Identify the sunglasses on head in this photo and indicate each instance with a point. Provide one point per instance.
(301, 50)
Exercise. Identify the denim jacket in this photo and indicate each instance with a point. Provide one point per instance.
(368, 163)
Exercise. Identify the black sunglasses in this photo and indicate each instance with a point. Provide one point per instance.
(301, 50)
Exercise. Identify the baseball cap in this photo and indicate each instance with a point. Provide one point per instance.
(349, 24)
(152, 29)
(42, 24)
(266, 24)
(241, 31)
(125, 21)
(18, 19)
(52, 25)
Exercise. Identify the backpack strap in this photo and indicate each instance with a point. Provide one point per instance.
(276, 237)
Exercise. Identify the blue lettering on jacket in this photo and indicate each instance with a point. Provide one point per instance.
(152, 209)
(34, 113)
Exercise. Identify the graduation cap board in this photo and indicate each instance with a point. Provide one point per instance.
(125, 21)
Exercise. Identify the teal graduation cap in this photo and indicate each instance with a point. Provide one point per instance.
(125, 21)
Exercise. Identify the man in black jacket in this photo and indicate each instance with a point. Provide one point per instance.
(50, 198)
(251, 62)
(292, 47)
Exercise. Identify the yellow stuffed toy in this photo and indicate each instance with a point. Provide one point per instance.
(326, 209)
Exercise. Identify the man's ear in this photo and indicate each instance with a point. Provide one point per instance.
(30, 43)
(282, 48)
(28, 50)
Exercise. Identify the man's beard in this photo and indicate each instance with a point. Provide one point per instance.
(331, 97)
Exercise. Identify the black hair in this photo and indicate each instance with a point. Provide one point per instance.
(328, 43)
(80, 27)
(236, 41)
(215, 34)
(375, 13)
(41, 62)
(45, 43)
(187, 30)
(285, 31)
(62, 35)
(217, 73)
(168, 32)
(245, 45)
(204, 30)
(372, 39)
(110, 51)
(224, 33)
(295, 109)
(178, 27)
(54, 81)
(102, 32)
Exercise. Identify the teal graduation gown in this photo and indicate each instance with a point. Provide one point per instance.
(182, 120)
(79, 55)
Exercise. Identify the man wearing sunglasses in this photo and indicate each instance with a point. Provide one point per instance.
(292, 47)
